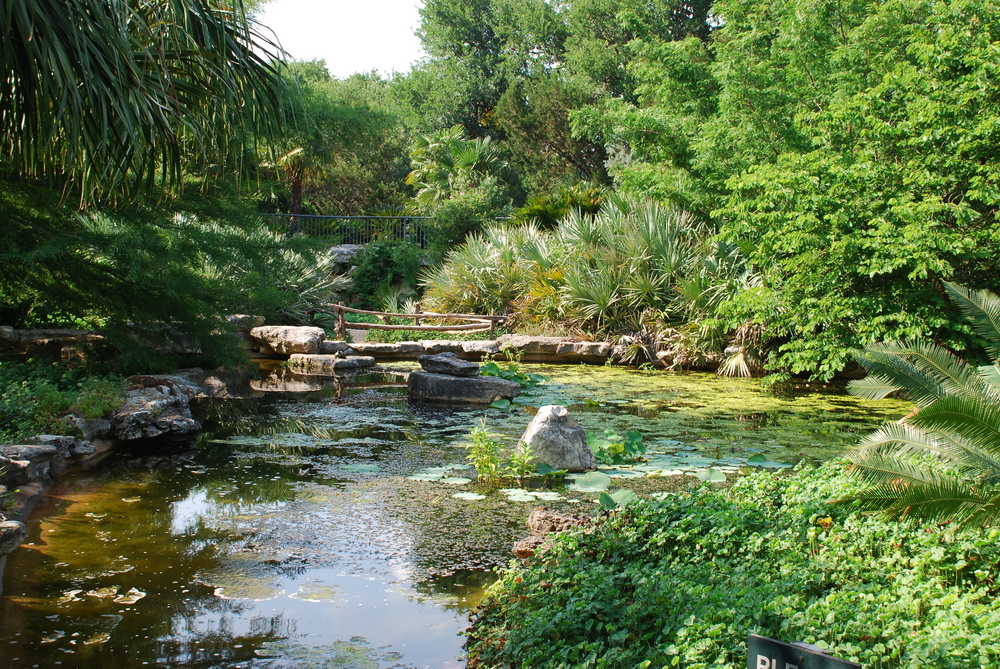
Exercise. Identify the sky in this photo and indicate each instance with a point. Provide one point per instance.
(350, 35)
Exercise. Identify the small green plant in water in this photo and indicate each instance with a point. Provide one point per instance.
(614, 449)
(485, 453)
(521, 466)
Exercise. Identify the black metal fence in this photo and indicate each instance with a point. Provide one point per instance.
(352, 229)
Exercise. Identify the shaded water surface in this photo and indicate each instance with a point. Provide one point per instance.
(289, 533)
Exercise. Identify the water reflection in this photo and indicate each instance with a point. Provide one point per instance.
(263, 543)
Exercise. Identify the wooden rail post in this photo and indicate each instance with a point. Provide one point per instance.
(416, 319)
(493, 329)
(341, 326)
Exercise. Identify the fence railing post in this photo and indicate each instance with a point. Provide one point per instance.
(341, 325)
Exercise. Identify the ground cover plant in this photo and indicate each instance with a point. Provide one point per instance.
(681, 581)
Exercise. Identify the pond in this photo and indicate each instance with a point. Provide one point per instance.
(321, 528)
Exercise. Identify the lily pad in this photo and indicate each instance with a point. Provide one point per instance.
(425, 477)
(500, 404)
(711, 475)
(591, 482)
(623, 474)
(468, 495)
(456, 480)
(361, 468)
(624, 497)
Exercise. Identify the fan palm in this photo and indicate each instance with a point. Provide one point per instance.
(111, 94)
(941, 462)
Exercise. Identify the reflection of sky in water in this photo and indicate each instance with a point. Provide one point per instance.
(261, 545)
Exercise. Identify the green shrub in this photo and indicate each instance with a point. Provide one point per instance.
(383, 264)
(98, 397)
(682, 581)
(50, 401)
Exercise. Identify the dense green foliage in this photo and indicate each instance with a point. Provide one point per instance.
(640, 269)
(682, 581)
(40, 397)
(942, 461)
(161, 276)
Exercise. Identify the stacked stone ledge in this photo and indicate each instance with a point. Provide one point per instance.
(446, 378)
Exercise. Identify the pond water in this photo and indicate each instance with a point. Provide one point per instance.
(292, 533)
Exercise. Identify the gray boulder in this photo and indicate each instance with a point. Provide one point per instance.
(401, 349)
(460, 390)
(12, 535)
(93, 428)
(244, 322)
(558, 440)
(433, 346)
(289, 339)
(480, 347)
(8, 335)
(448, 363)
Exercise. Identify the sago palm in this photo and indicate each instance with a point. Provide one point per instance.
(942, 461)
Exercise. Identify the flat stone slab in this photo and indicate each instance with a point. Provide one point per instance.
(448, 363)
(460, 390)
(403, 348)
(287, 340)
(432, 346)
(327, 364)
(43, 461)
(329, 347)
(480, 348)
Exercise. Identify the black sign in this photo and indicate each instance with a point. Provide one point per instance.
(764, 653)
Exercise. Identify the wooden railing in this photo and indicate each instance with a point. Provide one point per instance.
(478, 323)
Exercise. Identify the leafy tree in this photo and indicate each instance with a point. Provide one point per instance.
(345, 150)
(941, 462)
(534, 115)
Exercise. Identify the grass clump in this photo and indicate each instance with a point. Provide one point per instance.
(682, 581)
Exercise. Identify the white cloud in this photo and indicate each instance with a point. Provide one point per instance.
(350, 35)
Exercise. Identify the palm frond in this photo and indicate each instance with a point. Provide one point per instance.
(974, 419)
(982, 309)
(872, 387)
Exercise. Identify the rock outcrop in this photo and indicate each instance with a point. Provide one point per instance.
(542, 523)
(287, 340)
(43, 461)
(155, 405)
(558, 440)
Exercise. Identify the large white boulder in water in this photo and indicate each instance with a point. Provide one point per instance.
(558, 440)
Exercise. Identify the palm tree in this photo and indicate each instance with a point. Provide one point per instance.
(111, 95)
(942, 461)
(446, 164)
